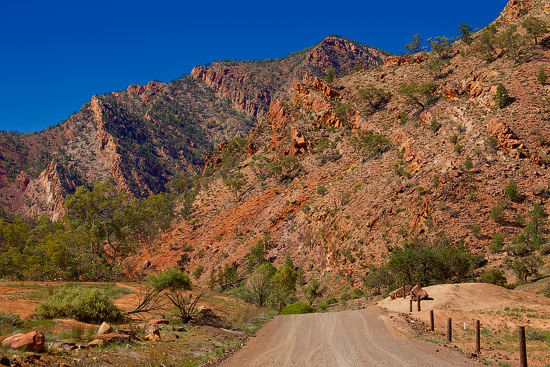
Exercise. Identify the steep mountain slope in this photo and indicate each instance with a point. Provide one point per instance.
(140, 138)
(403, 151)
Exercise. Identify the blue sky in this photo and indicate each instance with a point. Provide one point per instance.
(55, 55)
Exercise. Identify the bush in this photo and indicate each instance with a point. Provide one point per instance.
(502, 98)
(494, 276)
(297, 308)
(170, 279)
(497, 213)
(497, 243)
(345, 297)
(79, 303)
(11, 320)
(541, 76)
(321, 190)
(512, 191)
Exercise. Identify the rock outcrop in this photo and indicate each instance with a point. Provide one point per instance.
(30, 342)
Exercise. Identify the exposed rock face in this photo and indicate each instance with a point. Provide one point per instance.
(56, 187)
(417, 58)
(517, 8)
(505, 137)
(31, 342)
(342, 54)
(107, 146)
(228, 81)
(148, 91)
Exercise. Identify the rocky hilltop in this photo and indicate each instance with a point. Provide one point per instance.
(338, 173)
(142, 137)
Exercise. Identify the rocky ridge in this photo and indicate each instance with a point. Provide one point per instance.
(342, 212)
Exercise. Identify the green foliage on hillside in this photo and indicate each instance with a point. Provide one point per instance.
(101, 229)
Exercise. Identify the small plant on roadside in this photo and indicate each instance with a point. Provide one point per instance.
(297, 308)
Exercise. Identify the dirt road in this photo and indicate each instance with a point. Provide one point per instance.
(343, 339)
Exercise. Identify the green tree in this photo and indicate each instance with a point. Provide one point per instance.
(535, 27)
(526, 267)
(260, 283)
(376, 98)
(441, 45)
(378, 279)
(418, 94)
(484, 44)
(284, 286)
(465, 33)
(258, 255)
(510, 41)
(227, 277)
(313, 290)
(415, 45)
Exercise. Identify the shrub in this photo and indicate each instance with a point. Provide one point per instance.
(331, 301)
(497, 243)
(11, 320)
(345, 297)
(497, 213)
(512, 191)
(357, 293)
(541, 76)
(434, 124)
(79, 303)
(502, 98)
(321, 190)
(297, 308)
(170, 279)
(494, 276)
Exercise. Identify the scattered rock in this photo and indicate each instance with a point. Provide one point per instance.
(33, 341)
(158, 322)
(104, 329)
(95, 343)
(113, 337)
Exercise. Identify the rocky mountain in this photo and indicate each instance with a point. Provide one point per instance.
(337, 174)
(141, 137)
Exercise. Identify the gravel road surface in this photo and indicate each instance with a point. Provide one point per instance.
(348, 339)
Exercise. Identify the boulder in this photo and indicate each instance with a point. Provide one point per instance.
(418, 293)
(32, 342)
(105, 329)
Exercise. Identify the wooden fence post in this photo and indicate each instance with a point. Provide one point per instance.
(449, 330)
(478, 337)
(522, 347)
(432, 324)
(418, 304)
(411, 305)
(404, 295)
